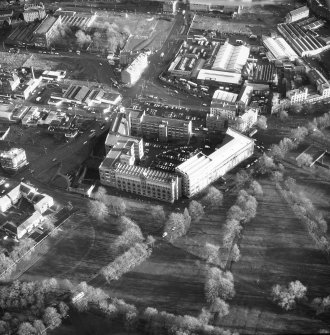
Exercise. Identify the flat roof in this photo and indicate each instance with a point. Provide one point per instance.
(160, 120)
(220, 76)
(45, 25)
(234, 142)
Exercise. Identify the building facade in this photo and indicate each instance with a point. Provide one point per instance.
(13, 160)
(297, 14)
(132, 73)
(201, 170)
(47, 32)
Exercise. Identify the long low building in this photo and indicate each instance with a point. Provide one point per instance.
(201, 170)
(133, 72)
(221, 77)
(279, 48)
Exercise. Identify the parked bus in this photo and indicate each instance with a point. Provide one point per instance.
(253, 132)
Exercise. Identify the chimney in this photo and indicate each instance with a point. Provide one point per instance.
(32, 72)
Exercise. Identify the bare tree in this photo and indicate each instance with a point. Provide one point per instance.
(196, 210)
(255, 189)
(51, 318)
(213, 197)
(236, 254)
(220, 308)
(283, 115)
(26, 328)
(98, 210)
(287, 297)
(262, 122)
(101, 195)
(211, 252)
(299, 134)
(304, 160)
(158, 213)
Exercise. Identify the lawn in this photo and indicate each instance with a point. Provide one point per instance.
(276, 248)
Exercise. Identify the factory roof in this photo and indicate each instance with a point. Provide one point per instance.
(199, 162)
(220, 76)
(224, 96)
(279, 48)
(231, 58)
(45, 25)
(299, 10)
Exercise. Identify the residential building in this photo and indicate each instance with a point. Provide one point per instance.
(160, 127)
(9, 193)
(201, 170)
(231, 58)
(132, 73)
(47, 32)
(298, 95)
(297, 14)
(13, 160)
(27, 226)
(241, 121)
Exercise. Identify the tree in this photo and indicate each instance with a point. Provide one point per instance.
(196, 210)
(304, 160)
(101, 195)
(213, 197)
(286, 297)
(262, 122)
(63, 309)
(5, 263)
(204, 316)
(321, 305)
(277, 152)
(220, 308)
(118, 206)
(98, 210)
(4, 328)
(22, 248)
(157, 213)
(236, 254)
(219, 284)
(277, 176)
(290, 184)
(265, 164)
(255, 188)
(235, 213)
(150, 241)
(211, 252)
(26, 328)
(283, 115)
(39, 326)
(241, 178)
(299, 134)
(51, 318)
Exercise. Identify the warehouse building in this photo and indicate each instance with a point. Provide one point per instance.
(279, 48)
(231, 58)
(303, 43)
(47, 32)
(201, 170)
(132, 73)
(219, 77)
(297, 14)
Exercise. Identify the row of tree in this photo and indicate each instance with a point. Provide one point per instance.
(8, 262)
(305, 210)
(127, 261)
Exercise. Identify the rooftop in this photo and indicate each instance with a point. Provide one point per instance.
(6, 185)
(45, 25)
(233, 142)
(220, 76)
(224, 96)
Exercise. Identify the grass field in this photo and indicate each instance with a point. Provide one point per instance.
(12, 61)
(276, 248)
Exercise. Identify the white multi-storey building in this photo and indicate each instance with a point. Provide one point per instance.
(298, 95)
(297, 14)
(201, 170)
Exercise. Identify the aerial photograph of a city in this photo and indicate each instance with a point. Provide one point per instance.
(164, 167)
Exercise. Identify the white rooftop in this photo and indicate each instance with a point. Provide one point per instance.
(220, 76)
(224, 96)
(279, 48)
